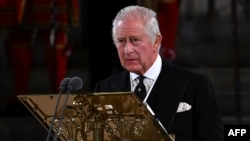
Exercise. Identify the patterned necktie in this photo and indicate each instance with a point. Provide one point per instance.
(140, 89)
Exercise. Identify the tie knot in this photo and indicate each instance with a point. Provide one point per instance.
(141, 78)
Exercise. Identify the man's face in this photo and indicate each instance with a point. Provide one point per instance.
(136, 50)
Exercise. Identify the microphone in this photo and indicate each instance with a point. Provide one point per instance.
(64, 84)
(74, 84)
(62, 87)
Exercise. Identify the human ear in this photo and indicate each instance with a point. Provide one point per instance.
(157, 42)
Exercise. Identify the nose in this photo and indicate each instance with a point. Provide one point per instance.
(128, 48)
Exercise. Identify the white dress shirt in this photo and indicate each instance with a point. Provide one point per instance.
(151, 76)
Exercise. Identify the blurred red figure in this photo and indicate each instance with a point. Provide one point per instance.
(29, 20)
(168, 18)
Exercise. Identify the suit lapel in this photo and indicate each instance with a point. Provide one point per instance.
(165, 97)
(121, 83)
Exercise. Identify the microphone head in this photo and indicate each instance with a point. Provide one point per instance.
(64, 84)
(75, 84)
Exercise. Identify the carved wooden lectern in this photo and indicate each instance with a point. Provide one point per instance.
(116, 116)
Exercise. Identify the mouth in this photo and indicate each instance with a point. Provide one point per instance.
(131, 60)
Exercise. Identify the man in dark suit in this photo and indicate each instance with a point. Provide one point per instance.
(184, 101)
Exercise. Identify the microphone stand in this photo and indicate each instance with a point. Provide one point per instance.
(62, 87)
(61, 116)
(75, 83)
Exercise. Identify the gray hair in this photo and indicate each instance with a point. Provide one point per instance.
(147, 16)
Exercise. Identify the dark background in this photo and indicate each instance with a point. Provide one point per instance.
(212, 39)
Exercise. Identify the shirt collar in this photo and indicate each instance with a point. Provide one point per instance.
(152, 72)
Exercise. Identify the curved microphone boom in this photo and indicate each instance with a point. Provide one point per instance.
(62, 88)
(74, 84)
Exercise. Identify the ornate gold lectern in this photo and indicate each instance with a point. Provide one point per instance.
(117, 116)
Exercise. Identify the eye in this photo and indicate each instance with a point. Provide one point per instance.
(134, 41)
(120, 42)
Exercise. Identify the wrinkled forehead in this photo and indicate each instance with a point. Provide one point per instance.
(129, 21)
(129, 27)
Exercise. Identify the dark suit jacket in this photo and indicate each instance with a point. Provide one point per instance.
(174, 85)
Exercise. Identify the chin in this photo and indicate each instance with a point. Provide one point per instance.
(133, 70)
